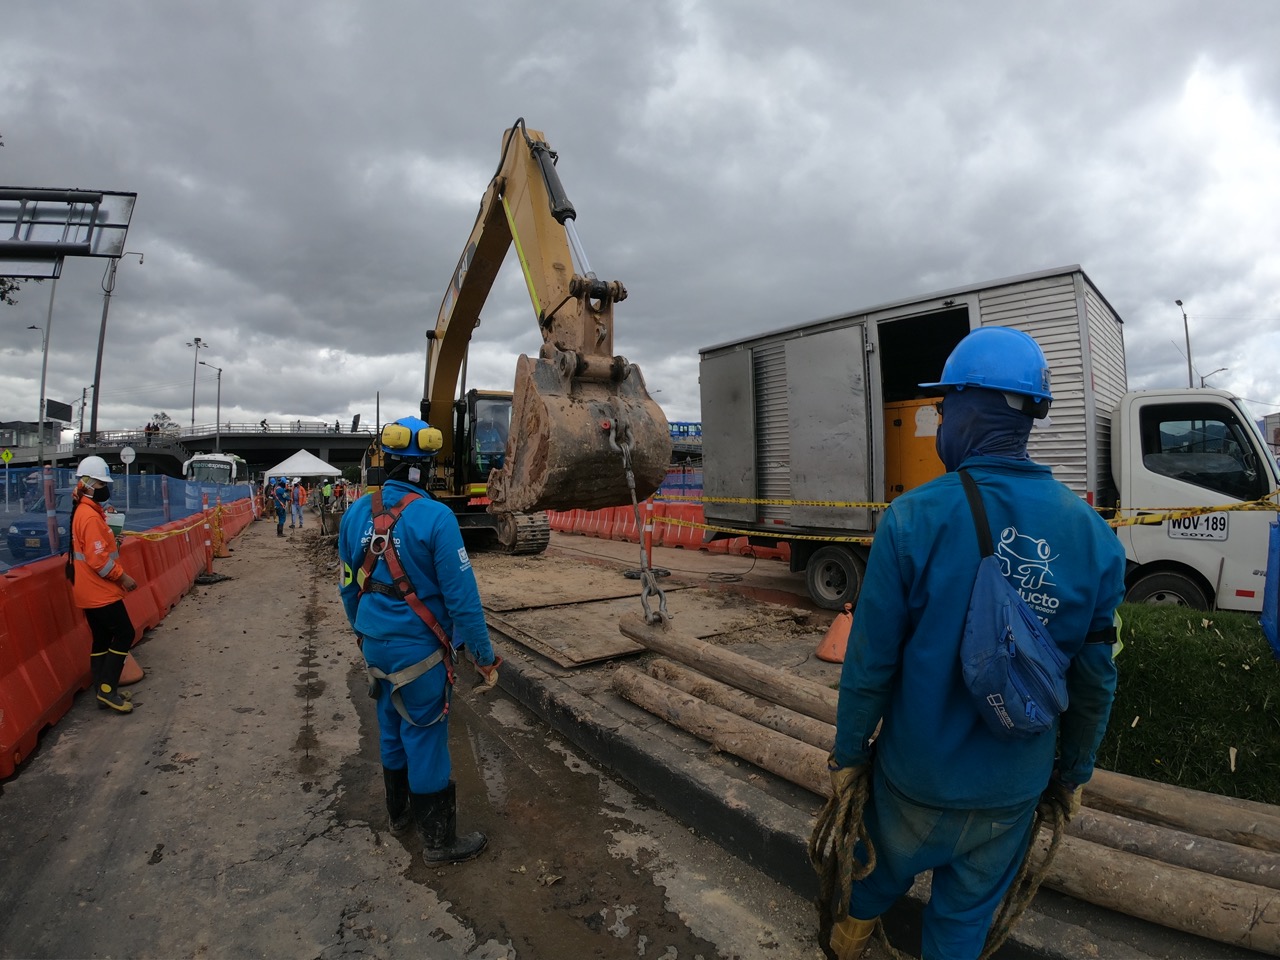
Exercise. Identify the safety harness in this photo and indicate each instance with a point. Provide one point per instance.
(383, 546)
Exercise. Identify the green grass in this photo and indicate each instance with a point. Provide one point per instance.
(1193, 686)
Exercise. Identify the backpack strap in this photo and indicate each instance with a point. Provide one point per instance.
(980, 522)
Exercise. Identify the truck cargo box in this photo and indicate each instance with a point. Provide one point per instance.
(800, 413)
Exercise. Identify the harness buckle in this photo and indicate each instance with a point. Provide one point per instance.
(378, 545)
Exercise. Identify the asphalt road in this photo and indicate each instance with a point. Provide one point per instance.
(238, 813)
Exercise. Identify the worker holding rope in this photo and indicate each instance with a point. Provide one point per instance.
(938, 788)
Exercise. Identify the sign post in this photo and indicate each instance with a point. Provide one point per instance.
(127, 456)
(6, 455)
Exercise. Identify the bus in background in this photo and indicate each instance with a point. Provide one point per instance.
(206, 473)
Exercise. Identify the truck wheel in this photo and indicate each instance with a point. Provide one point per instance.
(1172, 589)
(833, 576)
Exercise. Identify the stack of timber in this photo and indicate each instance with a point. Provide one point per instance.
(1191, 861)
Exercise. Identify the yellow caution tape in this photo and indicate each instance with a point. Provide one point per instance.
(714, 528)
(1142, 515)
(774, 502)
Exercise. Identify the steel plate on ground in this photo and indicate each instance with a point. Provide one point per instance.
(529, 582)
(583, 633)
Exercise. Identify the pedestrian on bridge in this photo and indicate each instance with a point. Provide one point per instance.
(99, 583)
(411, 596)
(949, 792)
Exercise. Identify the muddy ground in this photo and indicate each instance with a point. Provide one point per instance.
(238, 813)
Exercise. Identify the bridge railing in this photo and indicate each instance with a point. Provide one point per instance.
(280, 426)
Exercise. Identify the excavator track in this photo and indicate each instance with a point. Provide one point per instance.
(524, 533)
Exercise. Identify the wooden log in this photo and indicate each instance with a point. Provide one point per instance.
(1217, 857)
(1205, 814)
(776, 752)
(1228, 911)
(805, 696)
(768, 714)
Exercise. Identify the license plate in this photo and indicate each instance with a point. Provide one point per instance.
(33, 541)
(1206, 526)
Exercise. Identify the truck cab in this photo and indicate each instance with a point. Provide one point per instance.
(1185, 448)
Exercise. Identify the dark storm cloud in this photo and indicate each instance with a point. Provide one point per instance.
(308, 173)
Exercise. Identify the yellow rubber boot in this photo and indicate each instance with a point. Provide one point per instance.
(849, 937)
(109, 698)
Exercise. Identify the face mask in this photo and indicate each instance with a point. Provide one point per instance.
(102, 494)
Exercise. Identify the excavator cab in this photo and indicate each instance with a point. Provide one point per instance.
(583, 431)
(482, 425)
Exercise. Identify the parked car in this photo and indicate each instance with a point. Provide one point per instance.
(28, 534)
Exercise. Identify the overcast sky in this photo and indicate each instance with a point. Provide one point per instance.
(308, 172)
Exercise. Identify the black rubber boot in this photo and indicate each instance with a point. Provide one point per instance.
(436, 815)
(397, 784)
(106, 683)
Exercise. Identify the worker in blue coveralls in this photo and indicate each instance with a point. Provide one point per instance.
(280, 497)
(411, 596)
(946, 794)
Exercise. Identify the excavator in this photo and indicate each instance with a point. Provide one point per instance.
(579, 430)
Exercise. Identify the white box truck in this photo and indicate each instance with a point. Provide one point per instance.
(806, 428)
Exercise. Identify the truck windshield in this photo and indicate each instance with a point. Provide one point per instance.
(1205, 445)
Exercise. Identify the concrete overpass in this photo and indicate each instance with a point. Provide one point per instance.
(261, 445)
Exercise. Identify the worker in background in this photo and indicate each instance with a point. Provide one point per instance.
(946, 793)
(297, 499)
(99, 583)
(326, 494)
(491, 445)
(411, 596)
(280, 497)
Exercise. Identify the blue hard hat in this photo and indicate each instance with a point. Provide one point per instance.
(998, 358)
(410, 438)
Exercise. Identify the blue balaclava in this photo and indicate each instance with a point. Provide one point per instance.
(979, 422)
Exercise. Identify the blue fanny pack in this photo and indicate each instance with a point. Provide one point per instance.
(1012, 667)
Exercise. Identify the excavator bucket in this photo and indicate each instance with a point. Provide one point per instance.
(568, 434)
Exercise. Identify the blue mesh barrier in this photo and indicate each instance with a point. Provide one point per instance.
(147, 501)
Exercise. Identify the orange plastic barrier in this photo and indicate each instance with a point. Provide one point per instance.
(46, 659)
(599, 523)
(561, 520)
(21, 714)
(679, 535)
(624, 524)
(141, 603)
(45, 640)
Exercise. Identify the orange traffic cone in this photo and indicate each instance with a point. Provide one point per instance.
(832, 647)
(132, 672)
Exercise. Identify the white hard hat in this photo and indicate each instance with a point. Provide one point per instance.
(96, 468)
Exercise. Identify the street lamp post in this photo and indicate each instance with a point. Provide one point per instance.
(108, 285)
(1210, 374)
(1186, 329)
(197, 343)
(44, 371)
(217, 437)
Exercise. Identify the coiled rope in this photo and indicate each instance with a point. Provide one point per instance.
(840, 828)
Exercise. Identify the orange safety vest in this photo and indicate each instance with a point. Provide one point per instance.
(94, 555)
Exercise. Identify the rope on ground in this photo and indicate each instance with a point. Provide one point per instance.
(839, 828)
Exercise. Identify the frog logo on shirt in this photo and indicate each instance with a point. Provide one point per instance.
(1025, 559)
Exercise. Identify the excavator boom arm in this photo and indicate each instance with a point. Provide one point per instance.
(575, 406)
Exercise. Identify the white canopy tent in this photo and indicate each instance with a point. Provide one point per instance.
(303, 464)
